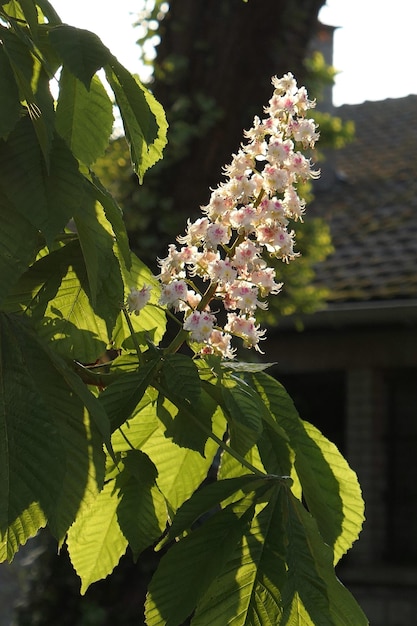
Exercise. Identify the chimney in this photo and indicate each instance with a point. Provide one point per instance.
(322, 42)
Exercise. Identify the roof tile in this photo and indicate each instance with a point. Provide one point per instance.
(371, 205)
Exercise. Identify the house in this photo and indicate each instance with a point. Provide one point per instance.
(352, 371)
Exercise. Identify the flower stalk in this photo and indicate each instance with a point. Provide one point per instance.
(246, 221)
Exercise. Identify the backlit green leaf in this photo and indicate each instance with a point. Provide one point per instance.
(102, 266)
(243, 413)
(54, 291)
(51, 461)
(114, 216)
(95, 541)
(143, 118)
(329, 486)
(121, 398)
(142, 512)
(81, 51)
(182, 579)
(84, 118)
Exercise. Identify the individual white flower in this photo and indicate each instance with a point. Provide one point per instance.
(138, 298)
(174, 294)
(200, 325)
(245, 328)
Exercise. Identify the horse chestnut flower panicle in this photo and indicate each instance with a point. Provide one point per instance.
(246, 219)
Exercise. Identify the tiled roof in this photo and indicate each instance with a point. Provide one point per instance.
(368, 195)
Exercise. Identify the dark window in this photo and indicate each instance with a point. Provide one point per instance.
(401, 498)
(320, 399)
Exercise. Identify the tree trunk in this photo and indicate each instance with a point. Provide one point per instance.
(213, 71)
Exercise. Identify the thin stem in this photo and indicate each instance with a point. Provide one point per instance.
(133, 335)
(215, 438)
(126, 439)
(182, 334)
(177, 342)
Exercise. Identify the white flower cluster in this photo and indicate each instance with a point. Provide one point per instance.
(247, 215)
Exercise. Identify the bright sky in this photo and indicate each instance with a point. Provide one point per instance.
(374, 45)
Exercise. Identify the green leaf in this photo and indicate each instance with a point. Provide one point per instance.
(31, 16)
(281, 573)
(91, 403)
(313, 592)
(19, 244)
(47, 201)
(189, 425)
(143, 118)
(49, 12)
(54, 291)
(180, 378)
(140, 428)
(121, 398)
(142, 513)
(33, 84)
(95, 541)
(51, 460)
(114, 216)
(248, 589)
(181, 580)
(84, 118)
(334, 499)
(180, 470)
(243, 413)
(81, 51)
(206, 499)
(102, 266)
(329, 486)
(10, 106)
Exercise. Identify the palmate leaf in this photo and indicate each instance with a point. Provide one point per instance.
(281, 573)
(180, 470)
(181, 579)
(52, 460)
(330, 487)
(84, 118)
